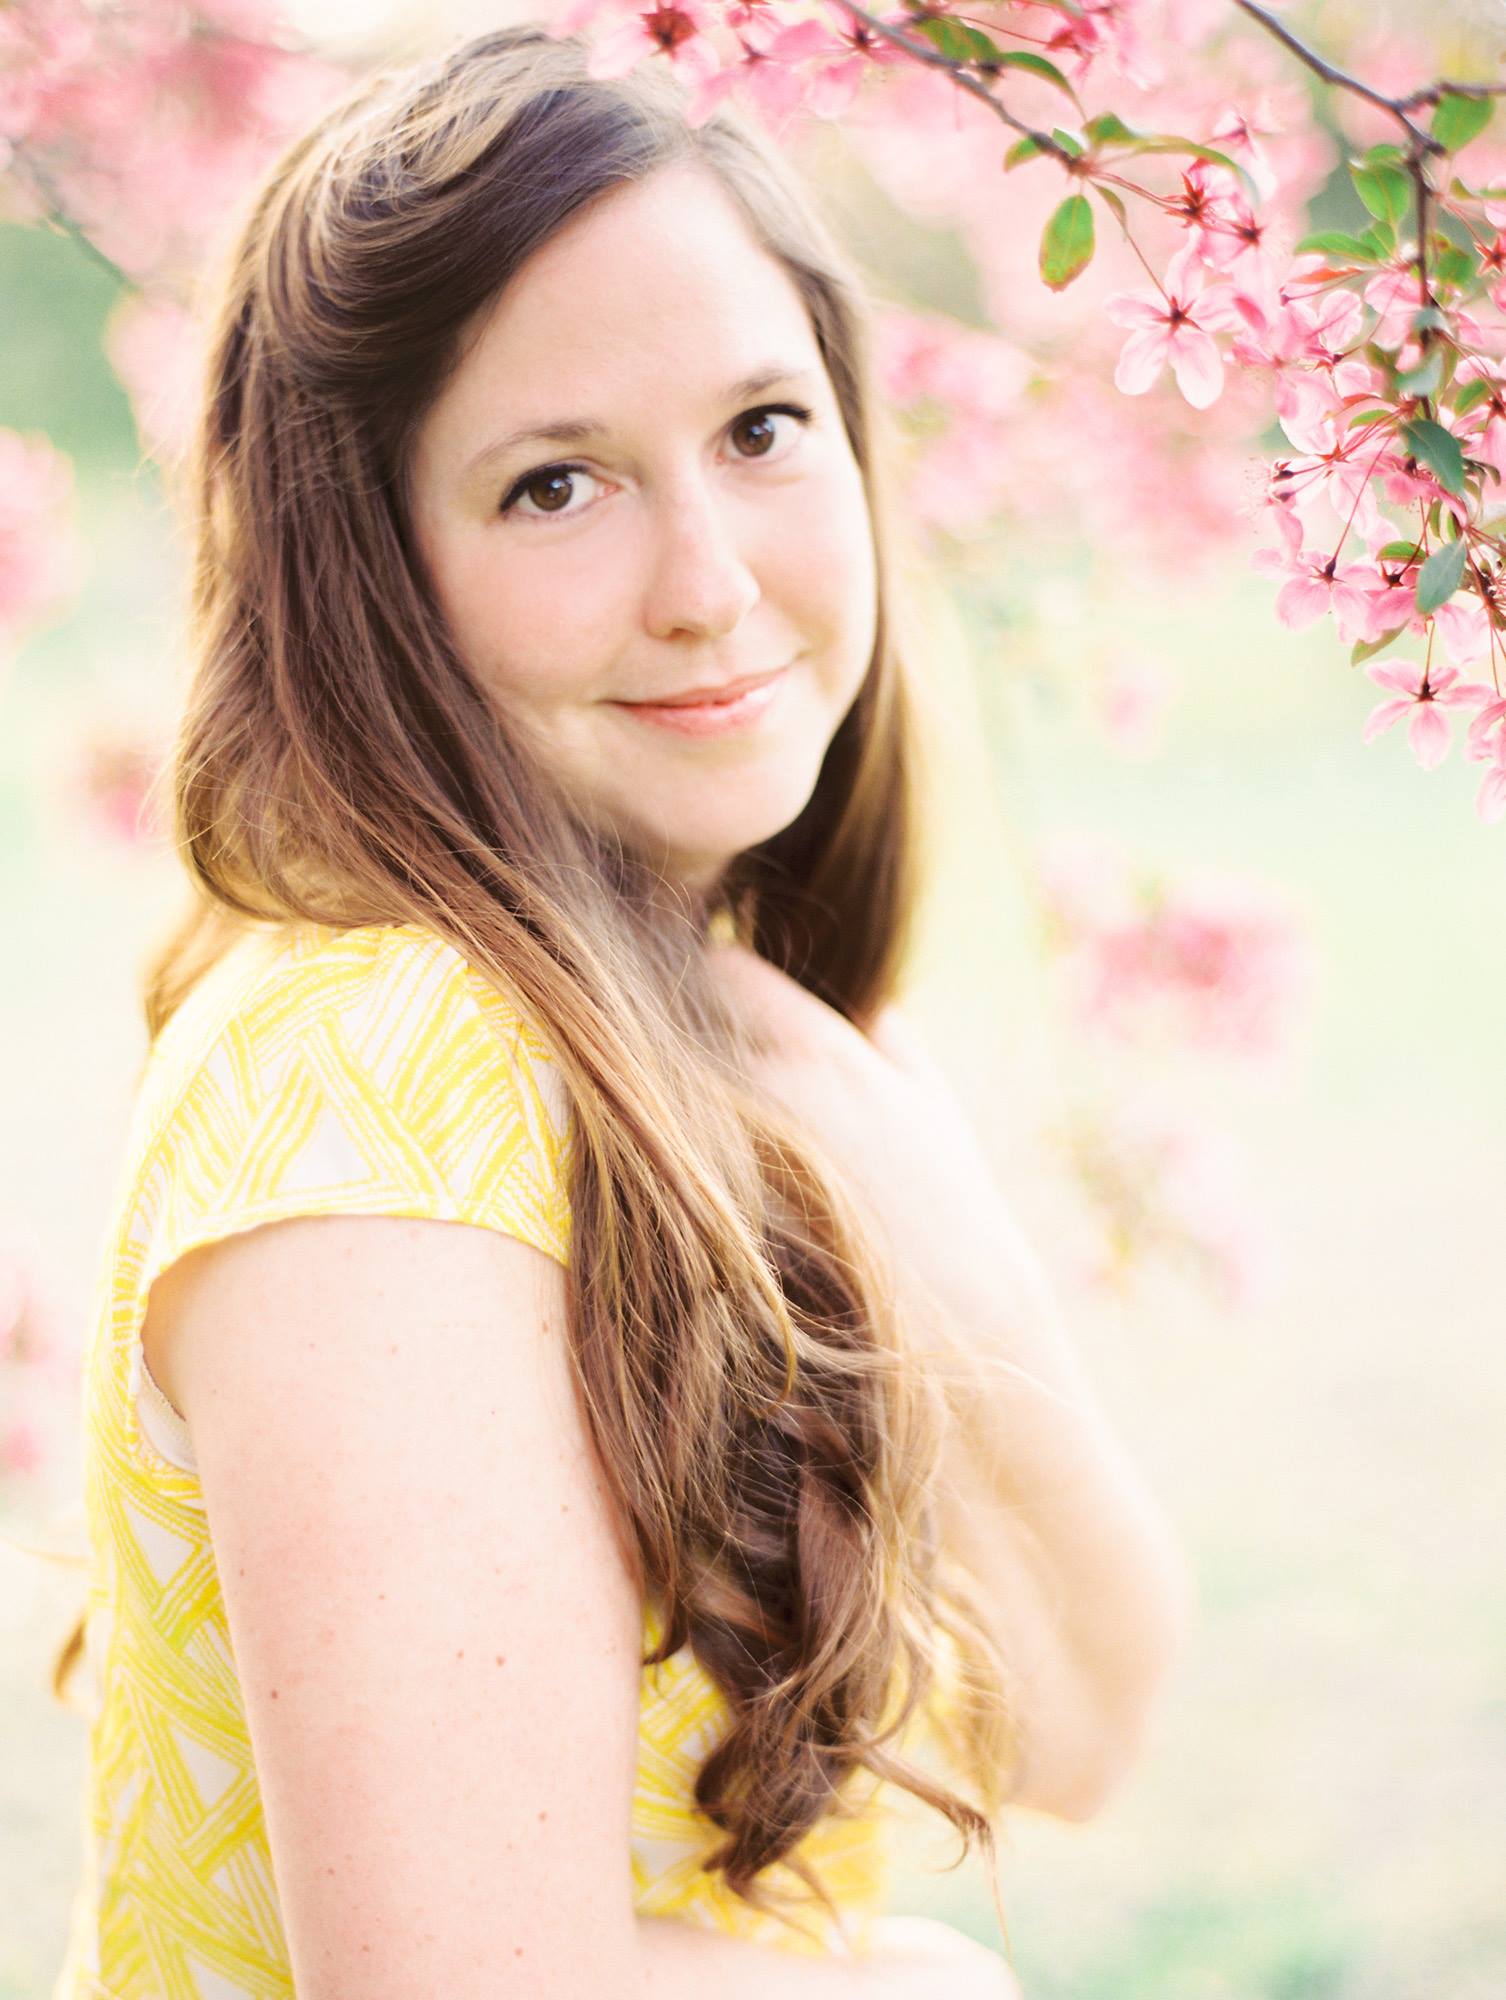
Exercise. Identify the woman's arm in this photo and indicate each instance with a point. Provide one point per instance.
(436, 1637)
(436, 1634)
(1086, 1588)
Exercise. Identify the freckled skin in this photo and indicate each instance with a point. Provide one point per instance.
(704, 539)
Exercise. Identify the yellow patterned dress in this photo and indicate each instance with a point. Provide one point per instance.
(316, 1071)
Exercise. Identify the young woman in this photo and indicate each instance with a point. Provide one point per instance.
(569, 1417)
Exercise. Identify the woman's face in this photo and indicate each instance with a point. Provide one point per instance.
(687, 513)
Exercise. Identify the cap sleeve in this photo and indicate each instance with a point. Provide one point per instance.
(369, 1071)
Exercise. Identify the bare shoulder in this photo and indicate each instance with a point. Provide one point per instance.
(436, 1630)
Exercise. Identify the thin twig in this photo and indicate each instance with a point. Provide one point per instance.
(1397, 107)
(924, 52)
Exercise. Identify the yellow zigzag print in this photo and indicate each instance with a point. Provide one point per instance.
(317, 1071)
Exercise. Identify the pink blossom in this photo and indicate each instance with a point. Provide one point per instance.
(1317, 584)
(1175, 329)
(41, 558)
(1105, 31)
(1132, 704)
(1396, 295)
(21, 1452)
(116, 776)
(762, 75)
(677, 29)
(150, 343)
(1486, 743)
(1198, 955)
(836, 56)
(1239, 135)
(1425, 693)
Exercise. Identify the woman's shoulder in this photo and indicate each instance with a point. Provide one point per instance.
(381, 981)
(339, 1069)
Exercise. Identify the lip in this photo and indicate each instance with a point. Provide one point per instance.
(697, 697)
(738, 706)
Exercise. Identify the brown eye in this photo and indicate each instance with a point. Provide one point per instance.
(543, 484)
(761, 422)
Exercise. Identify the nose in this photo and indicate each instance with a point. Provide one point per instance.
(699, 581)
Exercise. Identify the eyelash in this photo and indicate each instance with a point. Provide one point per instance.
(520, 486)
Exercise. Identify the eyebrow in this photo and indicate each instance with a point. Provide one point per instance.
(577, 430)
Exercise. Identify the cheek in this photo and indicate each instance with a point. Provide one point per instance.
(828, 550)
(529, 633)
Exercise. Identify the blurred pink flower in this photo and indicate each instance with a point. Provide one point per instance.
(1132, 704)
(679, 30)
(150, 344)
(115, 774)
(41, 558)
(1199, 956)
(21, 1452)
(1159, 1191)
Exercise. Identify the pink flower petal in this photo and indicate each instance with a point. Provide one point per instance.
(1303, 601)
(1141, 361)
(1382, 717)
(1135, 309)
(1428, 735)
(1399, 674)
(1198, 367)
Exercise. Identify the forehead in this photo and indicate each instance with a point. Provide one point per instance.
(659, 288)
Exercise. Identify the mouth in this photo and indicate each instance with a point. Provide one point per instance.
(734, 706)
(702, 697)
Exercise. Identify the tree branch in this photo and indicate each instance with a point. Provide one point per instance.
(922, 52)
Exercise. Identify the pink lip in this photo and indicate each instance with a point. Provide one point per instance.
(694, 697)
(718, 717)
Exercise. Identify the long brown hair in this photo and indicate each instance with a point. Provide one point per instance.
(769, 1434)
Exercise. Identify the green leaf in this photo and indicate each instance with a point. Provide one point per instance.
(1386, 191)
(1067, 242)
(1398, 552)
(1113, 201)
(1337, 243)
(1454, 266)
(1068, 141)
(1440, 576)
(1110, 129)
(1381, 238)
(1386, 154)
(1457, 120)
(1470, 395)
(1021, 150)
(1366, 649)
(1438, 449)
(1424, 379)
(1368, 417)
(1037, 66)
(959, 42)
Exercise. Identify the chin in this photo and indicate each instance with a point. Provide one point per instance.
(724, 834)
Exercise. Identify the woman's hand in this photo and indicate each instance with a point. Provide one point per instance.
(919, 1958)
(881, 1108)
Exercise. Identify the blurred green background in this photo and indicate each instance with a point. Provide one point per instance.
(1320, 1812)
